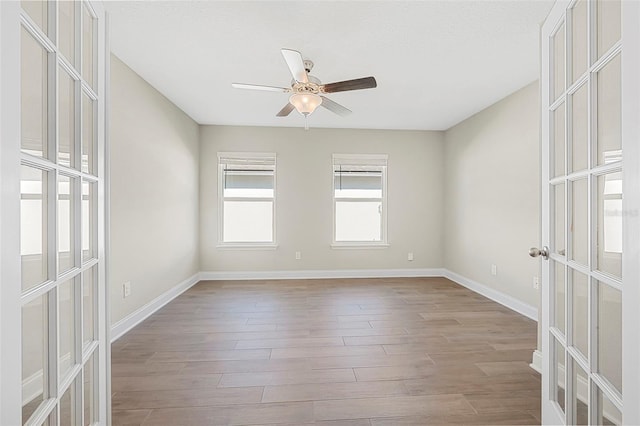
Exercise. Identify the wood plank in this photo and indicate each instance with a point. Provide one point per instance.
(182, 356)
(334, 375)
(164, 382)
(325, 391)
(248, 414)
(378, 360)
(185, 398)
(289, 343)
(391, 407)
(326, 351)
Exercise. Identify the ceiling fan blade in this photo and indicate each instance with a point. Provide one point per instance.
(286, 110)
(357, 84)
(334, 107)
(260, 87)
(294, 61)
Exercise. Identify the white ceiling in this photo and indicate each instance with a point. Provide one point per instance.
(436, 62)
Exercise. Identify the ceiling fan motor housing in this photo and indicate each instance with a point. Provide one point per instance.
(313, 86)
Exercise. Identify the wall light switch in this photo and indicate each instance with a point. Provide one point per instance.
(410, 256)
(494, 270)
(298, 255)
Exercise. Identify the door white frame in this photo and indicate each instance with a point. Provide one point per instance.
(10, 358)
(550, 413)
(631, 206)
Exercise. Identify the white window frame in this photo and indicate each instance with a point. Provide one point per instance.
(248, 157)
(368, 160)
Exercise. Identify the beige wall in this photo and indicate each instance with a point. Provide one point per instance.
(304, 198)
(154, 192)
(492, 184)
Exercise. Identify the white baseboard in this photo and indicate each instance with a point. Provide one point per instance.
(127, 323)
(536, 361)
(495, 295)
(319, 274)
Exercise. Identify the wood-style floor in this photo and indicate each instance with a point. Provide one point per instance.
(327, 352)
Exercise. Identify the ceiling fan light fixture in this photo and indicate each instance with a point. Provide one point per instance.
(305, 103)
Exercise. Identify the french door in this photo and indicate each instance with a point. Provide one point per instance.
(53, 329)
(590, 196)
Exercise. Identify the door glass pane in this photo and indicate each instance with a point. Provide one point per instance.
(559, 218)
(559, 296)
(89, 223)
(608, 413)
(89, 389)
(35, 326)
(579, 221)
(66, 221)
(579, 42)
(33, 96)
(609, 224)
(68, 411)
(37, 11)
(88, 65)
(609, 109)
(579, 129)
(557, 44)
(66, 313)
(558, 140)
(580, 398)
(579, 318)
(66, 30)
(88, 304)
(609, 24)
(33, 226)
(88, 139)
(610, 334)
(66, 120)
(558, 372)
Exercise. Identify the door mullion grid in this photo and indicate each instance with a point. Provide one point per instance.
(593, 313)
(592, 297)
(77, 340)
(53, 345)
(569, 367)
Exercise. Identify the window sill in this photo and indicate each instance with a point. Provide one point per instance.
(357, 246)
(247, 246)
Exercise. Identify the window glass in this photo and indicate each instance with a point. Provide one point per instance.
(247, 187)
(358, 190)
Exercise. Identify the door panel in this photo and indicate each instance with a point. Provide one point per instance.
(53, 318)
(584, 203)
(583, 200)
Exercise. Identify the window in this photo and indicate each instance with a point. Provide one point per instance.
(247, 199)
(359, 200)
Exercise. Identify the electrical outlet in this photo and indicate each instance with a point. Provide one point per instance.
(298, 255)
(126, 289)
(410, 256)
(494, 270)
(536, 283)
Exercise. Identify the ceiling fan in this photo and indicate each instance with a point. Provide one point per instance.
(307, 91)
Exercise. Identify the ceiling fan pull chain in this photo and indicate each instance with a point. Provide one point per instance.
(306, 121)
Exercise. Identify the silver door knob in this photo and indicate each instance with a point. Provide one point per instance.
(535, 252)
